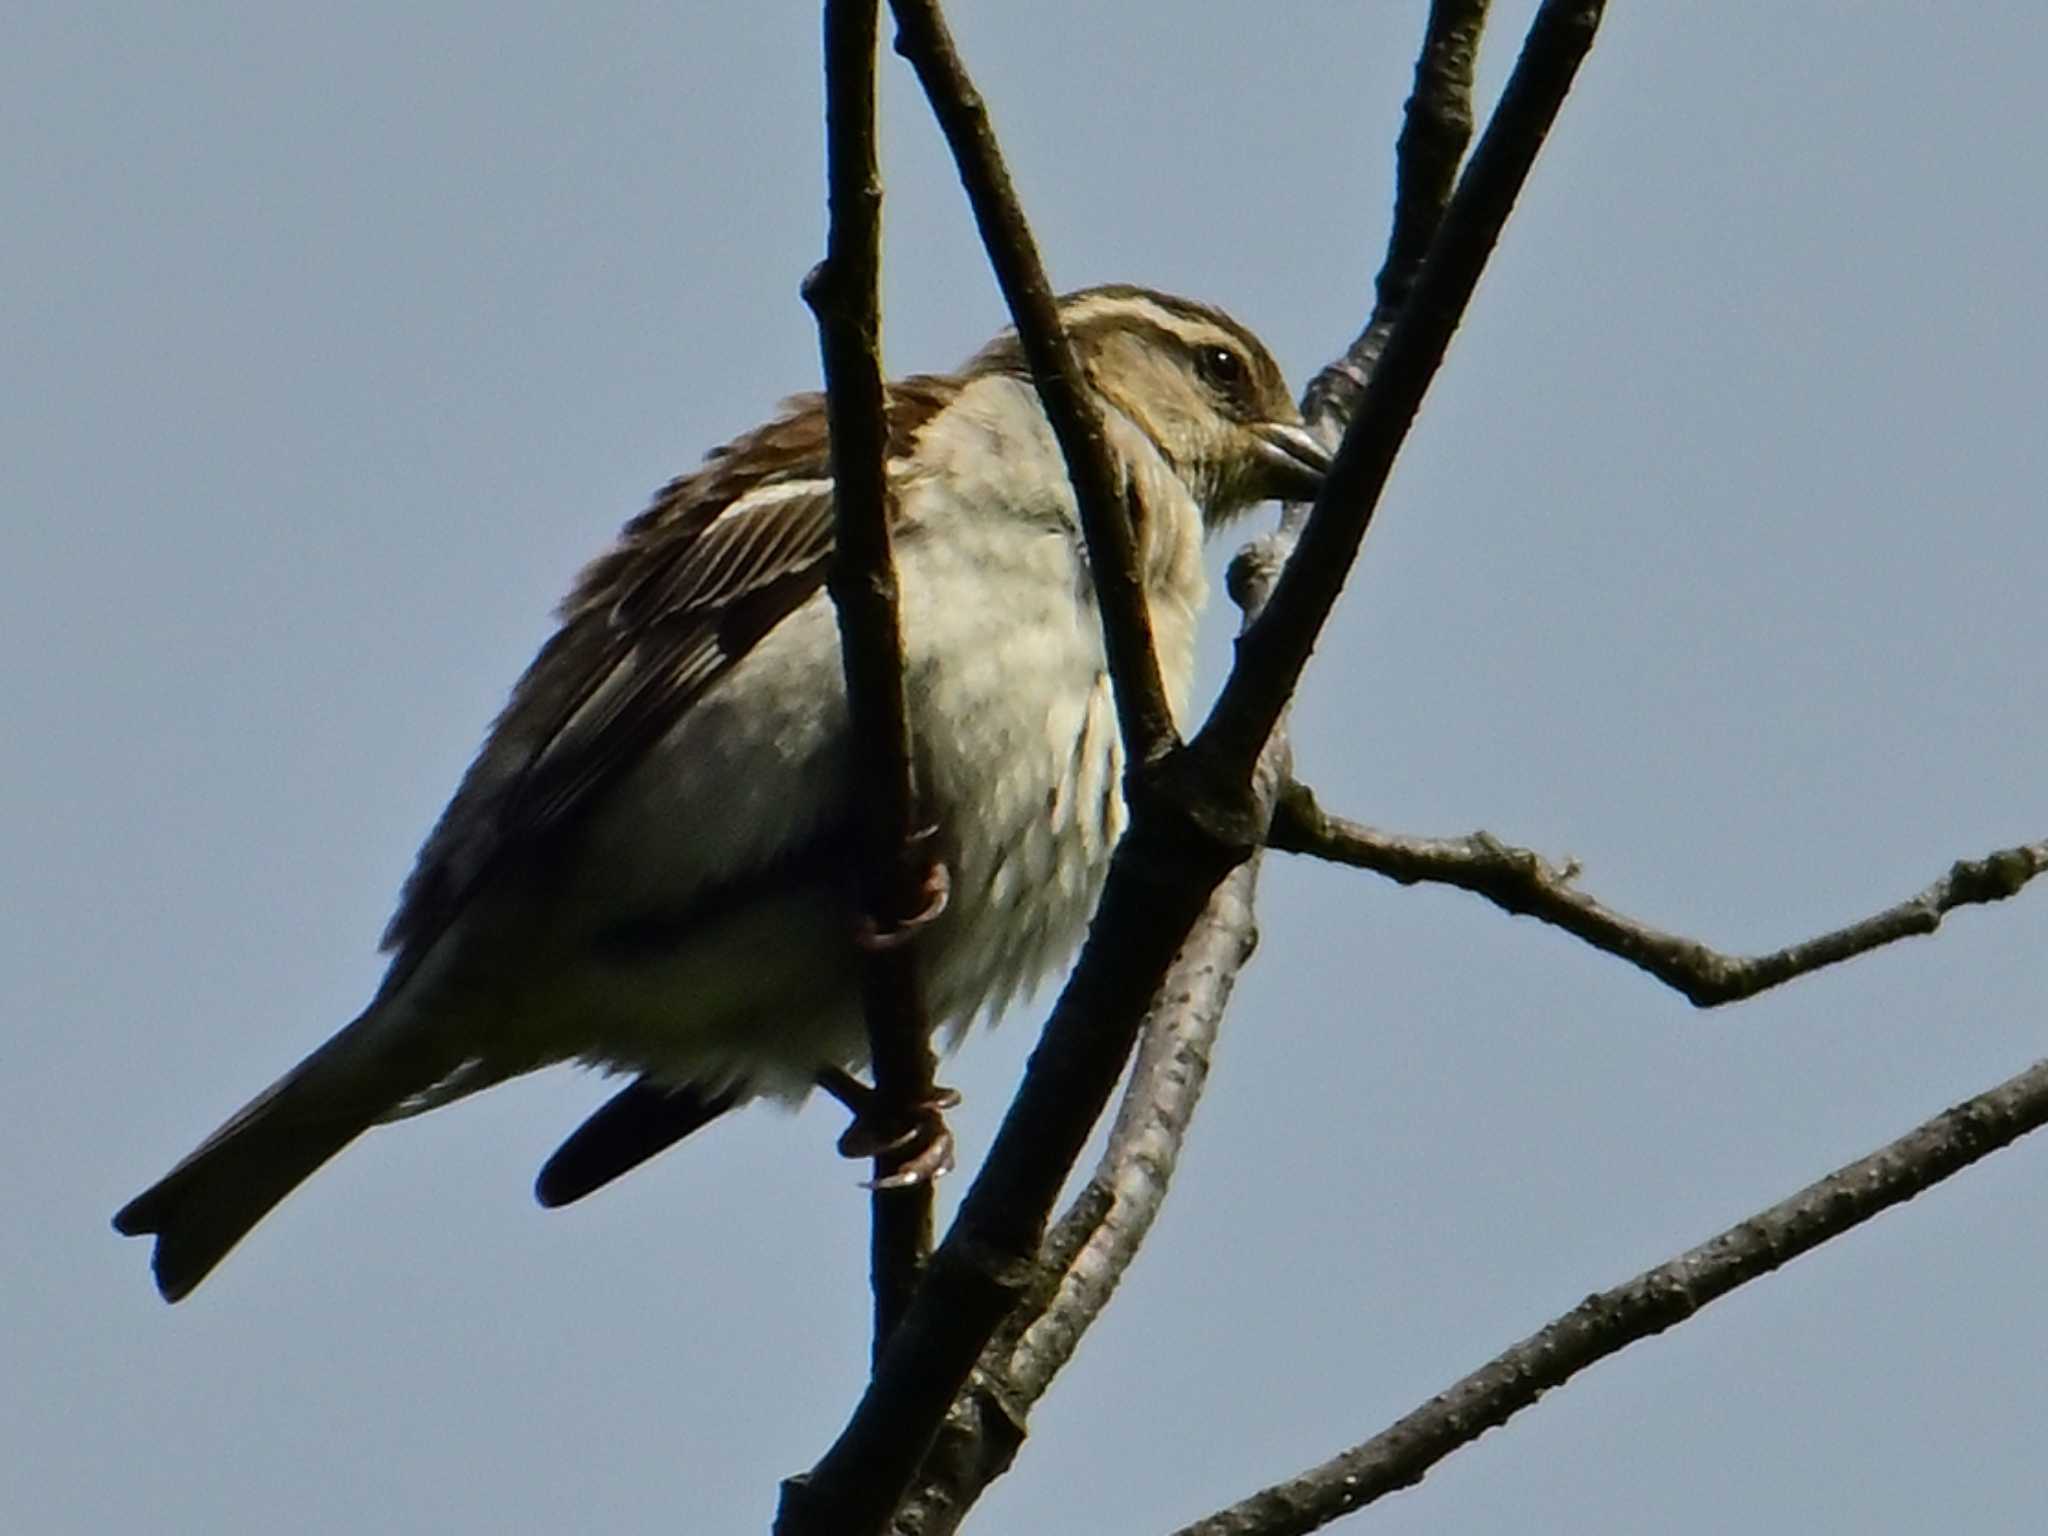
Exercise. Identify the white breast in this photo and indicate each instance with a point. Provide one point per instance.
(1017, 747)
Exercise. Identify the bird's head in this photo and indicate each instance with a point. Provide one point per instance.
(1203, 388)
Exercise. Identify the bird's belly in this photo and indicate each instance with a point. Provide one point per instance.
(759, 996)
(712, 908)
(1020, 763)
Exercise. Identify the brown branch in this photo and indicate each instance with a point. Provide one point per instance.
(1085, 1255)
(1522, 882)
(1194, 818)
(1273, 651)
(843, 291)
(1159, 883)
(1660, 1298)
(1095, 1241)
(1435, 128)
(1143, 716)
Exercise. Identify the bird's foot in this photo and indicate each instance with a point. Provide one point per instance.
(936, 888)
(914, 1138)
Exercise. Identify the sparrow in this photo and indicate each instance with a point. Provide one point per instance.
(650, 866)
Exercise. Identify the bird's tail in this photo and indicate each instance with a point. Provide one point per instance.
(205, 1205)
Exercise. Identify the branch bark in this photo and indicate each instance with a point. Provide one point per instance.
(1193, 814)
(1436, 126)
(1085, 1256)
(1657, 1299)
(1273, 651)
(843, 291)
(1520, 881)
(1096, 1240)
(1143, 716)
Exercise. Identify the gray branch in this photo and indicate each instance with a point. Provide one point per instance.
(1399, 1456)
(1524, 883)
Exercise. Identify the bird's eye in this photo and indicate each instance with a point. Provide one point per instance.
(1221, 369)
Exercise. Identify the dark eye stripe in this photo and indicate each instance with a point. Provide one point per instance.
(1096, 327)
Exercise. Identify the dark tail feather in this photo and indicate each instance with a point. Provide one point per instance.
(636, 1123)
(208, 1203)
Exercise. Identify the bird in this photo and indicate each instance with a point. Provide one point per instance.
(649, 868)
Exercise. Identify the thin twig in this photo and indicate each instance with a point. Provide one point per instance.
(843, 290)
(1435, 128)
(1522, 882)
(1143, 716)
(1660, 1298)
(1272, 653)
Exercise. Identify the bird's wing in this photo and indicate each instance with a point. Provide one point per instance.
(689, 588)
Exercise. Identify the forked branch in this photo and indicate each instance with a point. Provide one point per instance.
(1164, 870)
(1523, 882)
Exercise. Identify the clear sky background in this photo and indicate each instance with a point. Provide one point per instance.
(333, 339)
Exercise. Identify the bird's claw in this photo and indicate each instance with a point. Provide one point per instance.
(915, 1139)
(937, 890)
(927, 1165)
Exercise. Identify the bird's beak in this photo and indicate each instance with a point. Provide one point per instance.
(1291, 461)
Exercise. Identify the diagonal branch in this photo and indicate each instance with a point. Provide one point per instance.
(1273, 651)
(1435, 128)
(1143, 717)
(1194, 821)
(1095, 1241)
(843, 290)
(1159, 883)
(1522, 882)
(1085, 1255)
(1658, 1299)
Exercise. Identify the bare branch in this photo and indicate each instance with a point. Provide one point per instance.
(1660, 1298)
(1159, 883)
(843, 291)
(1098, 1237)
(1085, 1255)
(1273, 651)
(1096, 1240)
(1194, 818)
(1435, 128)
(1522, 882)
(1142, 713)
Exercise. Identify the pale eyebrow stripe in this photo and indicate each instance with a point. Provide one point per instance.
(1095, 308)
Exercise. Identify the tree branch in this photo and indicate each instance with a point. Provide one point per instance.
(1273, 651)
(1660, 1298)
(1085, 1256)
(896, 871)
(1145, 721)
(1522, 882)
(1194, 819)
(1435, 128)
(1159, 883)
